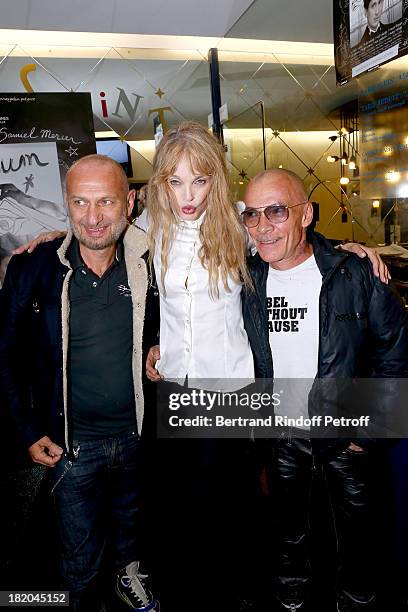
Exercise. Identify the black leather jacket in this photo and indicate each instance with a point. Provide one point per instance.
(363, 326)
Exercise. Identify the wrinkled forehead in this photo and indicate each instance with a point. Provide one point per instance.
(271, 191)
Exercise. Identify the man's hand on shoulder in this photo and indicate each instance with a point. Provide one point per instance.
(33, 244)
(45, 452)
(379, 267)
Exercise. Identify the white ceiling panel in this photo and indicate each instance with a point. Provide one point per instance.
(92, 15)
(295, 20)
(176, 17)
(15, 14)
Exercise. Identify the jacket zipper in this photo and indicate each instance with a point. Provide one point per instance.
(260, 335)
(321, 324)
(323, 288)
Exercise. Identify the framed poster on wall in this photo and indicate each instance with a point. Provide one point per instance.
(367, 34)
(41, 135)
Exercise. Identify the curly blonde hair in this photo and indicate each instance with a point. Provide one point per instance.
(223, 238)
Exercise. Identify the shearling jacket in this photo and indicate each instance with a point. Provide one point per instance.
(34, 335)
(363, 332)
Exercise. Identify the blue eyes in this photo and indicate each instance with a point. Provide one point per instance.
(176, 183)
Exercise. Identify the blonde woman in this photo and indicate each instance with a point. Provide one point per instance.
(198, 246)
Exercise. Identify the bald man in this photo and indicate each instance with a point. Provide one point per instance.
(83, 309)
(316, 313)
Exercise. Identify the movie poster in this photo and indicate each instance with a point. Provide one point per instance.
(368, 33)
(41, 135)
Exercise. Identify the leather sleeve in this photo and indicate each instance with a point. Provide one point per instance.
(388, 387)
(389, 329)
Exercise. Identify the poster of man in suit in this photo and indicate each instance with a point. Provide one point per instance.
(367, 33)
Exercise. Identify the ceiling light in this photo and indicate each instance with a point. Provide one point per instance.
(344, 180)
(344, 159)
(376, 203)
(402, 190)
(332, 158)
(352, 163)
(392, 176)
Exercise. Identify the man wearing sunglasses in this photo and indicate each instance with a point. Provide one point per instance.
(316, 315)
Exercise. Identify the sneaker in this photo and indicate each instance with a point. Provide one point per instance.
(131, 588)
(292, 606)
(348, 604)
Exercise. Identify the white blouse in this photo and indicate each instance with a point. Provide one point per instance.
(201, 337)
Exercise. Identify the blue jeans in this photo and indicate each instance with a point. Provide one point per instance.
(96, 498)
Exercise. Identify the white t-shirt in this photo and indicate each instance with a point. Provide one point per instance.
(293, 319)
(200, 336)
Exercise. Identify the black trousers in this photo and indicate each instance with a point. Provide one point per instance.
(347, 477)
(204, 523)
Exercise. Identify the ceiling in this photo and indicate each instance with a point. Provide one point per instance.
(292, 20)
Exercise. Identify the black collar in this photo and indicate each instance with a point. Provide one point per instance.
(74, 254)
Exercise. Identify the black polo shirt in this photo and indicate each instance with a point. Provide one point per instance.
(100, 349)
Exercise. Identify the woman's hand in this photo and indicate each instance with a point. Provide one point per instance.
(379, 267)
(44, 237)
(152, 357)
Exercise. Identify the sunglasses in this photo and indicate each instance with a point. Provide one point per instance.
(275, 213)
